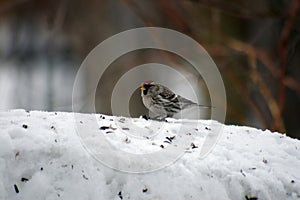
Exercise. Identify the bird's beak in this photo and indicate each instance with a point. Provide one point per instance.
(143, 88)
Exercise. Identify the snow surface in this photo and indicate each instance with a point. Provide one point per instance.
(43, 157)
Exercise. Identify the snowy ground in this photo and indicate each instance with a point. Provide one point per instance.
(42, 157)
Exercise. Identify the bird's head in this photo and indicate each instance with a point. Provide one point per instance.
(146, 85)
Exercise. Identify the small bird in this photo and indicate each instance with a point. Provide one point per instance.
(162, 101)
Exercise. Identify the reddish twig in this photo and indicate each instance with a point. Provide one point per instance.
(283, 52)
(265, 58)
(174, 16)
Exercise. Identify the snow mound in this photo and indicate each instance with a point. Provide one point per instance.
(42, 157)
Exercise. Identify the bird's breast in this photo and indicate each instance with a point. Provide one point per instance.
(147, 101)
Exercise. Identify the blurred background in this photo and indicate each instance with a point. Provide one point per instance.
(255, 45)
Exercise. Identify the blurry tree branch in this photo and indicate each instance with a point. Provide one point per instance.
(174, 16)
(247, 97)
(267, 95)
(283, 51)
(60, 16)
(265, 58)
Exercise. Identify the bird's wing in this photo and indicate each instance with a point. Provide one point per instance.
(167, 99)
(171, 98)
(169, 95)
(179, 102)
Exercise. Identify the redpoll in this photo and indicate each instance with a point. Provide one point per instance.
(162, 101)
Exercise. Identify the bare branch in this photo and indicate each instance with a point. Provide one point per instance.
(278, 123)
(283, 51)
(265, 58)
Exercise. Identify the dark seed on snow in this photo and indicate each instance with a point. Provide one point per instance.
(170, 138)
(122, 120)
(193, 146)
(104, 127)
(251, 198)
(23, 179)
(242, 173)
(107, 132)
(206, 128)
(16, 188)
(120, 195)
(145, 190)
(162, 146)
(25, 126)
(86, 178)
(292, 181)
(127, 140)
